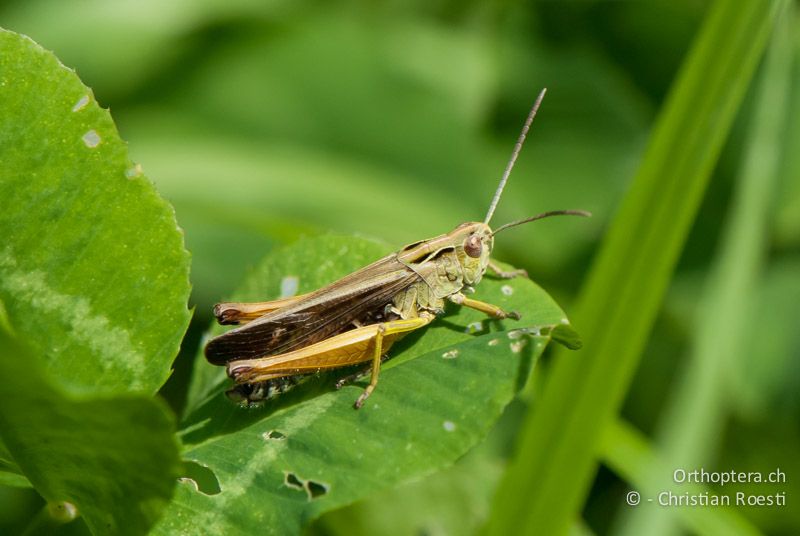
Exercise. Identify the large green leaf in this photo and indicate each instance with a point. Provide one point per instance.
(556, 459)
(309, 451)
(93, 272)
(452, 501)
(113, 458)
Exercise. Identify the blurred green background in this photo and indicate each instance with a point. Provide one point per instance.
(264, 121)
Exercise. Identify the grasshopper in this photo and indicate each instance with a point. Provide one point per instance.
(357, 318)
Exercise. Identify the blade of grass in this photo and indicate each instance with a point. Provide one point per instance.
(694, 418)
(555, 458)
(625, 450)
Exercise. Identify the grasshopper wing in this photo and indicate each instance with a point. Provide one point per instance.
(321, 314)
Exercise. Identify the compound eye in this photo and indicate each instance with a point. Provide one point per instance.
(473, 246)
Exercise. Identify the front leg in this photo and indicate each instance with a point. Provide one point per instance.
(492, 310)
(506, 274)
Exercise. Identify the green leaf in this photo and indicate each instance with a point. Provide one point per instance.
(14, 480)
(546, 482)
(92, 262)
(696, 412)
(309, 451)
(10, 473)
(452, 501)
(115, 459)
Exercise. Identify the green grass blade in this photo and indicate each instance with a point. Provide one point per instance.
(627, 452)
(556, 453)
(694, 420)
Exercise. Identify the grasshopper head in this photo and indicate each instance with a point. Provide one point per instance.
(473, 242)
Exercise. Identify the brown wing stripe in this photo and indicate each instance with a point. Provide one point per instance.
(310, 320)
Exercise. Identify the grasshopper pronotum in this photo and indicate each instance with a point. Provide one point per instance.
(357, 318)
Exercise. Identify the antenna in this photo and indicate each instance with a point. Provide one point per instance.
(544, 215)
(514, 154)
